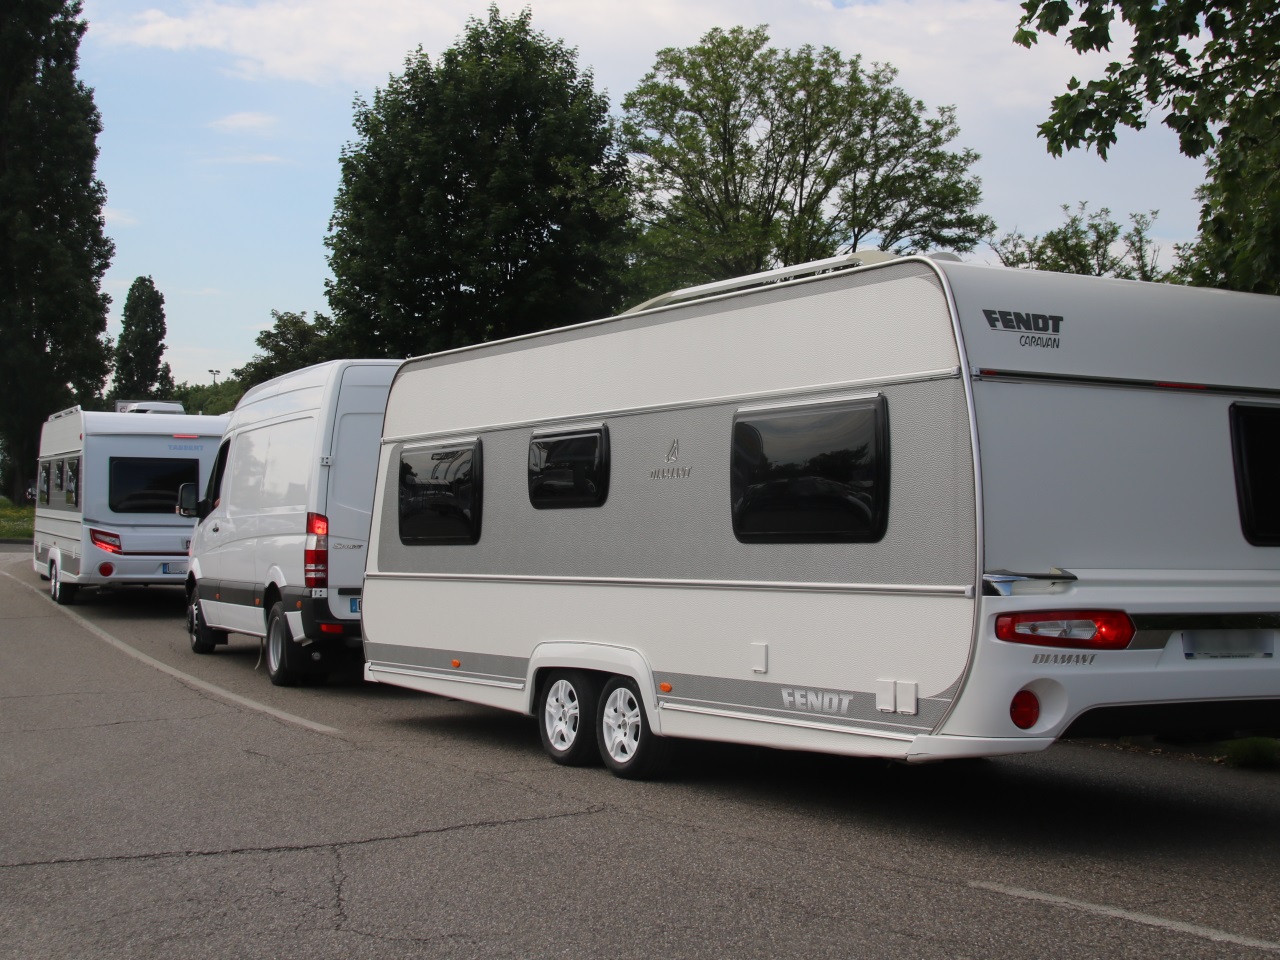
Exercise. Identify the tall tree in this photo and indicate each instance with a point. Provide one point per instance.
(291, 344)
(1087, 243)
(140, 373)
(1212, 65)
(53, 249)
(749, 157)
(484, 197)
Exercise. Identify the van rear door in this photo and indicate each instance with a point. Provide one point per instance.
(353, 469)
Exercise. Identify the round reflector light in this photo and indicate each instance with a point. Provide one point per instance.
(105, 569)
(1024, 711)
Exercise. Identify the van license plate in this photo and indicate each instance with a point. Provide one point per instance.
(173, 567)
(355, 604)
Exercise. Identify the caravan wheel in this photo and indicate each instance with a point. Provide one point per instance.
(627, 743)
(61, 593)
(567, 711)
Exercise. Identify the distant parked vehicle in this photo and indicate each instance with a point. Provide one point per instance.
(279, 550)
(106, 497)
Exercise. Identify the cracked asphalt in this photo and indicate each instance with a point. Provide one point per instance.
(144, 815)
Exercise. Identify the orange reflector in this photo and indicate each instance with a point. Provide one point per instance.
(664, 687)
(456, 663)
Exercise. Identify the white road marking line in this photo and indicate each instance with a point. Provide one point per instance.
(1191, 929)
(185, 677)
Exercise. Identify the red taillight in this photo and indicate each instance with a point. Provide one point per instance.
(1074, 629)
(315, 556)
(106, 569)
(109, 542)
(331, 628)
(1024, 710)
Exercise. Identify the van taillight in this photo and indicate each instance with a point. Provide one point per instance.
(315, 558)
(109, 542)
(1076, 629)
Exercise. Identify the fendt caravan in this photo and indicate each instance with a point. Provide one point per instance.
(279, 551)
(106, 491)
(915, 509)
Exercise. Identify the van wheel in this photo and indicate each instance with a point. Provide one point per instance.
(567, 708)
(628, 745)
(61, 593)
(203, 637)
(281, 650)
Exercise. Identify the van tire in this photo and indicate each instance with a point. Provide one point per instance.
(282, 652)
(61, 593)
(567, 707)
(628, 745)
(203, 637)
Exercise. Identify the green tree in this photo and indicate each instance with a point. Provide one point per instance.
(211, 399)
(1087, 243)
(140, 373)
(1211, 67)
(291, 344)
(748, 157)
(53, 251)
(484, 197)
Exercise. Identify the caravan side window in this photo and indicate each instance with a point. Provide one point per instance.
(441, 493)
(816, 474)
(569, 469)
(73, 482)
(1255, 440)
(44, 482)
(57, 476)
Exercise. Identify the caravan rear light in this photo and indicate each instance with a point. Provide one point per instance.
(315, 556)
(109, 542)
(1024, 711)
(1074, 629)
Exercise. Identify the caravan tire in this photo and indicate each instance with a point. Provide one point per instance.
(203, 637)
(566, 717)
(281, 650)
(628, 745)
(59, 592)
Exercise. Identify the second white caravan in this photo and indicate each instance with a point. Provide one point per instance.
(279, 551)
(918, 509)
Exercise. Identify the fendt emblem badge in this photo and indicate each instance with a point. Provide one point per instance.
(672, 473)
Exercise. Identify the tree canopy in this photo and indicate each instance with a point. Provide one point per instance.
(1088, 243)
(291, 344)
(484, 197)
(53, 249)
(1213, 68)
(749, 157)
(140, 374)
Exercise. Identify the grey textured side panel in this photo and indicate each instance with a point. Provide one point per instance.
(664, 524)
(479, 667)
(842, 708)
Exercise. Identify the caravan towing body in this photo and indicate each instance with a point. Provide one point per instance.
(917, 509)
(106, 491)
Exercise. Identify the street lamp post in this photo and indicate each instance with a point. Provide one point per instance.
(215, 376)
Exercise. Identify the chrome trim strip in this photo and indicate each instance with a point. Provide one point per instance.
(889, 589)
(380, 667)
(785, 721)
(817, 392)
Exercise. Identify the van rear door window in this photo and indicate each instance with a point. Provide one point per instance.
(814, 475)
(148, 484)
(441, 494)
(1255, 440)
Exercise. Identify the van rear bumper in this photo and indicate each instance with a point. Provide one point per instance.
(319, 625)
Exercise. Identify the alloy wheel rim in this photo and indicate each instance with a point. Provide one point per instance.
(621, 724)
(561, 715)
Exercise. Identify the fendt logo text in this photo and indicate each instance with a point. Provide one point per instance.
(1034, 329)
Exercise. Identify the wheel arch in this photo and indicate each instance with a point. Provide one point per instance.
(603, 659)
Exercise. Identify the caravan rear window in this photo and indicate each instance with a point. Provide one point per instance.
(813, 475)
(148, 484)
(440, 494)
(1255, 440)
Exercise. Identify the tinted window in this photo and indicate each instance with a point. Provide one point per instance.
(818, 475)
(57, 475)
(440, 494)
(1255, 438)
(569, 469)
(44, 483)
(73, 482)
(148, 484)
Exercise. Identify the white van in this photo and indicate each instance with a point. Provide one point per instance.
(106, 488)
(917, 509)
(280, 548)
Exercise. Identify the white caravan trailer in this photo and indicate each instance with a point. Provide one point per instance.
(280, 548)
(918, 509)
(106, 492)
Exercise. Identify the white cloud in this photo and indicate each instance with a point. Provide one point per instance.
(247, 122)
(118, 217)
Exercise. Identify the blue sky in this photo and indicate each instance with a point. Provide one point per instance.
(224, 120)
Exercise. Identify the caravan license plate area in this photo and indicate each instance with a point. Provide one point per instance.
(1227, 644)
(179, 567)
